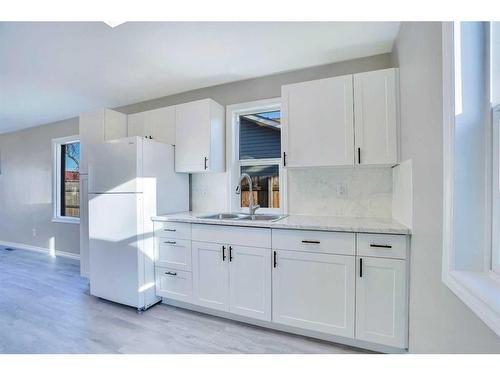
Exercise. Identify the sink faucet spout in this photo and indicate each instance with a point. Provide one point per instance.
(251, 207)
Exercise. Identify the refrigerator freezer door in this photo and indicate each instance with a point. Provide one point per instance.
(115, 231)
(116, 166)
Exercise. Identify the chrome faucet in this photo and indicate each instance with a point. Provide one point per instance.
(251, 207)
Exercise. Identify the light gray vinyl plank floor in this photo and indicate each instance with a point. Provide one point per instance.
(45, 307)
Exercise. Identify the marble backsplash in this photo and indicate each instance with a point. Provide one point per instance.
(312, 191)
(353, 192)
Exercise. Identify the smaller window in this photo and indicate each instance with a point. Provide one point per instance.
(66, 179)
(256, 151)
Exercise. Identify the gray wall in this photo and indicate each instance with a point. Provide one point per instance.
(209, 191)
(26, 188)
(263, 87)
(439, 321)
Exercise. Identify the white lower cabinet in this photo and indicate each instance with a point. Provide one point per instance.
(314, 291)
(381, 301)
(173, 253)
(232, 278)
(340, 284)
(210, 275)
(250, 282)
(174, 284)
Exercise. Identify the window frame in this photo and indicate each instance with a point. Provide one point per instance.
(495, 192)
(233, 112)
(479, 290)
(56, 179)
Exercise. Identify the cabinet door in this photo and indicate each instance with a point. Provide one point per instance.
(161, 124)
(158, 124)
(314, 291)
(210, 276)
(375, 112)
(318, 127)
(192, 136)
(173, 284)
(381, 301)
(84, 226)
(136, 125)
(250, 282)
(115, 125)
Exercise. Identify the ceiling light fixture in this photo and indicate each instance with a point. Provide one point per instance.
(114, 23)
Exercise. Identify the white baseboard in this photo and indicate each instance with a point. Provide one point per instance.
(57, 253)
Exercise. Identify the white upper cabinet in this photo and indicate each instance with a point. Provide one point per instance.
(375, 117)
(381, 301)
(318, 123)
(158, 124)
(341, 121)
(97, 127)
(199, 137)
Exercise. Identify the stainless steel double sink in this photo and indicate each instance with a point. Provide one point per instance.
(240, 216)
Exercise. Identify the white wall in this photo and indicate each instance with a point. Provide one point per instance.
(26, 189)
(439, 321)
(472, 137)
(402, 193)
(495, 63)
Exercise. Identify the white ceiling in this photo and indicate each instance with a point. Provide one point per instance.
(56, 70)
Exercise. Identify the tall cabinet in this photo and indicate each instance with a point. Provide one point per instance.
(95, 127)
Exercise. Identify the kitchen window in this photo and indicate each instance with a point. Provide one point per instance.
(255, 132)
(66, 181)
(471, 225)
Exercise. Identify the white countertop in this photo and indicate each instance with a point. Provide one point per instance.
(326, 223)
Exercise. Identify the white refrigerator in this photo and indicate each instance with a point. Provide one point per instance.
(130, 180)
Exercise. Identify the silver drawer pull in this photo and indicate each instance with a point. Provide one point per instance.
(169, 230)
(384, 246)
(311, 241)
(171, 273)
(170, 242)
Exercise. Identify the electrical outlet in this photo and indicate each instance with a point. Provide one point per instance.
(34, 232)
(341, 190)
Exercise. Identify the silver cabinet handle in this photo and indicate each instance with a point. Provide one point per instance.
(169, 230)
(171, 273)
(311, 242)
(170, 242)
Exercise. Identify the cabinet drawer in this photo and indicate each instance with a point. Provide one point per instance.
(382, 245)
(254, 237)
(173, 230)
(174, 284)
(314, 241)
(173, 253)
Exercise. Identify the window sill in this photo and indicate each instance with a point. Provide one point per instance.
(480, 291)
(66, 220)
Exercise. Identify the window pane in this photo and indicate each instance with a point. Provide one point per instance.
(265, 186)
(70, 179)
(260, 135)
